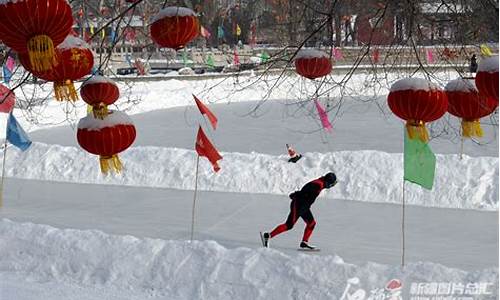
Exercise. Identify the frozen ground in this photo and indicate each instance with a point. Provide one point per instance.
(358, 232)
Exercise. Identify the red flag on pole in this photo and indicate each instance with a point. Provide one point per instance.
(205, 148)
(205, 111)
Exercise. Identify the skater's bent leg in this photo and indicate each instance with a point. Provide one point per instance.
(310, 224)
(290, 221)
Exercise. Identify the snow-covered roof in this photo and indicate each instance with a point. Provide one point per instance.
(114, 118)
(461, 85)
(73, 42)
(98, 79)
(416, 84)
(310, 53)
(173, 11)
(489, 64)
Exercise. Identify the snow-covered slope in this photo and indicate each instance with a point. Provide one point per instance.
(160, 269)
(363, 175)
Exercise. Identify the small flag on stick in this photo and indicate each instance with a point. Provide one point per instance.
(205, 148)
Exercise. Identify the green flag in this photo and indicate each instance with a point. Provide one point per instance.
(419, 162)
(264, 57)
(210, 61)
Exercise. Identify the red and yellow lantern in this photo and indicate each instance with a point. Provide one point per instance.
(174, 27)
(487, 77)
(107, 138)
(464, 101)
(417, 101)
(74, 60)
(35, 27)
(312, 64)
(99, 92)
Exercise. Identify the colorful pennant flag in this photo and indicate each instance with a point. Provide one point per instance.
(16, 135)
(485, 50)
(376, 56)
(210, 61)
(238, 30)
(205, 33)
(236, 58)
(337, 54)
(220, 32)
(205, 111)
(7, 99)
(7, 74)
(264, 57)
(430, 56)
(205, 148)
(419, 162)
(323, 116)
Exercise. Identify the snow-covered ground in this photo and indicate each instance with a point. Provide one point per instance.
(58, 184)
(94, 265)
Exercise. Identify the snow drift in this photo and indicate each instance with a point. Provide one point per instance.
(374, 176)
(198, 270)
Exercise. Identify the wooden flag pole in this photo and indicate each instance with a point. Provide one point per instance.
(3, 171)
(194, 198)
(403, 228)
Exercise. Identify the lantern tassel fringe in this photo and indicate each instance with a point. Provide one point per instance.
(417, 129)
(110, 164)
(41, 52)
(65, 91)
(100, 111)
(472, 128)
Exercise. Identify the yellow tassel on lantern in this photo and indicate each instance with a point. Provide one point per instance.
(471, 128)
(417, 129)
(110, 163)
(65, 91)
(100, 111)
(41, 53)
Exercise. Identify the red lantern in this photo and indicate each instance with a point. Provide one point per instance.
(174, 27)
(417, 101)
(312, 64)
(106, 138)
(464, 101)
(99, 92)
(7, 99)
(487, 77)
(35, 27)
(74, 60)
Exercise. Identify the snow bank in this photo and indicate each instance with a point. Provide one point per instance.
(373, 176)
(201, 269)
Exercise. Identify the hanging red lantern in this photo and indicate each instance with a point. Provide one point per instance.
(312, 64)
(174, 27)
(464, 101)
(417, 101)
(99, 92)
(35, 27)
(106, 138)
(74, 60)
(487, 77)
(7, 99)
